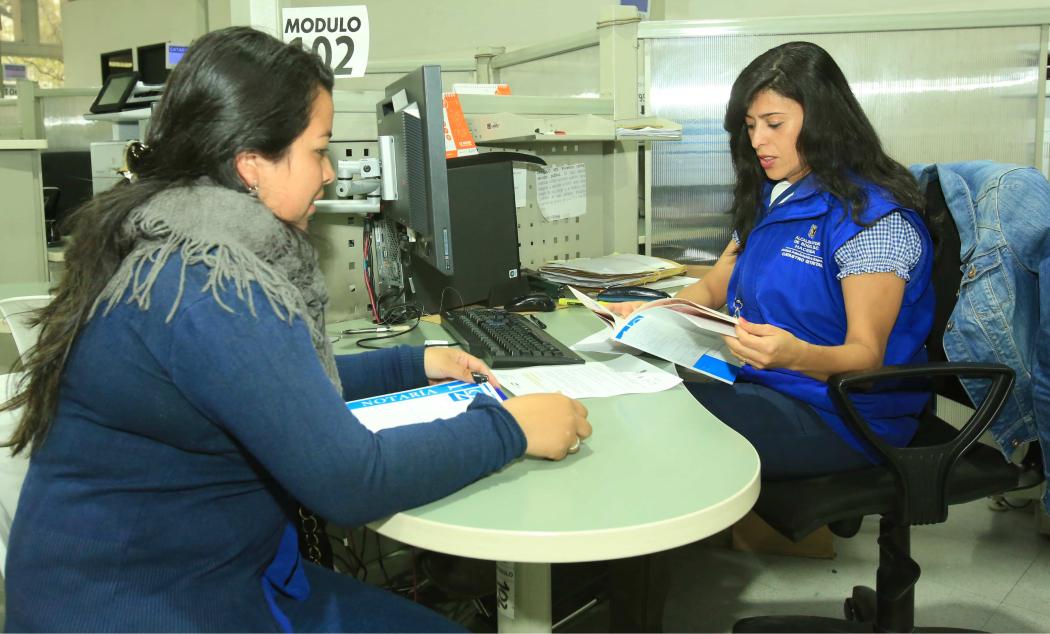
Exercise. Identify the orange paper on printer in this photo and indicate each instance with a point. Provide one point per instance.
(676, 330)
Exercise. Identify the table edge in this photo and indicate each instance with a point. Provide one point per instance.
(571, 546)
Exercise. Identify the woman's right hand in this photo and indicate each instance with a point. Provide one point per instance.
(624, 308)
(552, 423)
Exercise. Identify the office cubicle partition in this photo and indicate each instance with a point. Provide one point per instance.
(937, 87)
(62, 113)
(553, 81)
(10, 120)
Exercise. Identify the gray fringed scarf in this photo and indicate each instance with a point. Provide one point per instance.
(240, 241)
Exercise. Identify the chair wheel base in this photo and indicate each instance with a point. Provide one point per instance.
(861, 606)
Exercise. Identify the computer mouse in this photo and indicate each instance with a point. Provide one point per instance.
(539, 302)
(630, 294)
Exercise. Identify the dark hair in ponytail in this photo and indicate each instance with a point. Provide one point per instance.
(236, 90)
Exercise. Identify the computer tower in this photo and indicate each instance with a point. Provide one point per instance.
(484, 242)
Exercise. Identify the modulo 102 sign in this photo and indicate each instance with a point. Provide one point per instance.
(339, 35)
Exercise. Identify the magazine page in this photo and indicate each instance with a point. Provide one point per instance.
(667, 334)
(604, 313)
(702, 316)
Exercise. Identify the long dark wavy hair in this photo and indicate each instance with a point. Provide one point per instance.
(837, 142)
(235, 90)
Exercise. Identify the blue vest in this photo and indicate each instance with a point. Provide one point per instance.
(787, 276)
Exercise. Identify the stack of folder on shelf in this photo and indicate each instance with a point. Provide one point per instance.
(653, 128)
(623, 269)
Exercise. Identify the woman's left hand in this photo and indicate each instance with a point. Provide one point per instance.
(764, 346)
(452, 364)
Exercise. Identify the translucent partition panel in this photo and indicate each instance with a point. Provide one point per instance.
(572, 74)
(933, 96)
(65, 126)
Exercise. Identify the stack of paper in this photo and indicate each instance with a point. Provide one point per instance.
(624, 269)
(648, 132)
(648, 127)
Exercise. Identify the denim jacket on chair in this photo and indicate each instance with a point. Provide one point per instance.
(1003, 313)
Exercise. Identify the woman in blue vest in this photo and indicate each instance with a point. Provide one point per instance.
(828, 269)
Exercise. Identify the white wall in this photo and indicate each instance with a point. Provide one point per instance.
(401, 29)
(91, 27)
(410, 29)
(414, 29)
(729, 9)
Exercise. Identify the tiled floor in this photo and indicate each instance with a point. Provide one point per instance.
(981, 569)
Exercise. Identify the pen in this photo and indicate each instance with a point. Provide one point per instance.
(374, 330)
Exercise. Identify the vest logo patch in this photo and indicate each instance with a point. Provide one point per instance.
(805, 250)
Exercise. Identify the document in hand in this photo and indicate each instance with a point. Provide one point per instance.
(419, 405)
(677, 330)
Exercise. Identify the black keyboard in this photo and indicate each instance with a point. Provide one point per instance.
(505, 340)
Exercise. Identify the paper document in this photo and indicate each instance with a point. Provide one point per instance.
(561, 191)
(676, 330)
(623, 375)
(602, 341)
(673, 282)
(648, 131)
(618, 269)
(651, 127)
(521, 187)
(419, 405)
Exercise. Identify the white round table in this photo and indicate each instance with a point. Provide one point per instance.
(659, 472)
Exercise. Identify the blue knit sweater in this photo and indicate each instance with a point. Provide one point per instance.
(179, 451)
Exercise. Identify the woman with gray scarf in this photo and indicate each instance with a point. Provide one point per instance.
(183, 398)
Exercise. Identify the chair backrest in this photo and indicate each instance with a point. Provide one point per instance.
(946, 278)
(18, 313)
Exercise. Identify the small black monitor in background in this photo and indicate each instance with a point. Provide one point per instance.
(152, 66)
(66, 177)
(157, 60)
(116, 62)
(115, 92)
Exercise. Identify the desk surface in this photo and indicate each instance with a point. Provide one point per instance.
(659, 472)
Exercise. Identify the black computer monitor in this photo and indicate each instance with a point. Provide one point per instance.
(116, 62)
(157, 60)
(412, 114)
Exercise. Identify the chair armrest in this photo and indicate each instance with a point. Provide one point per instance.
(922, 472)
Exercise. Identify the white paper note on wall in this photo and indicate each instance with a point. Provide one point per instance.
(521, 190)
(561, 191)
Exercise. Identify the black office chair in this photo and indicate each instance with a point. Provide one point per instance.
(915, 485)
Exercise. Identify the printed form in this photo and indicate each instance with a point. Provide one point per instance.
(420, 405)
(594, 379)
